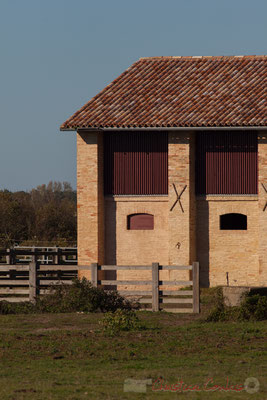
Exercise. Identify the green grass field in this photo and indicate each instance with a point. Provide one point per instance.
(67, 356)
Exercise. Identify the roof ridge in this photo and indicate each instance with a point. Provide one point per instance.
(202, 57)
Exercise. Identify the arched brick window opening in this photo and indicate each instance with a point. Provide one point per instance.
(233, 221)
(140, 221)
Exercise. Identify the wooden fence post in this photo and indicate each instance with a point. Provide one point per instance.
(34, 255)
(94, 274)
(8, 256)
(57, 256)
(195, 287)
(32, 281)
(13, 256)
(155, 286)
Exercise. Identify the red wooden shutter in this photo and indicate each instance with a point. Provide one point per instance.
(135, 163)
(140, 221)
(227, 163)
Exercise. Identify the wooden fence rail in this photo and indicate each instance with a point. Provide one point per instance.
(22, 282)
(156, 296)
(44, 255)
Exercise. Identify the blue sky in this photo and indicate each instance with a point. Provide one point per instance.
(57, 54)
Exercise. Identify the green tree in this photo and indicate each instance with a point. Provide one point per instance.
(46, 213)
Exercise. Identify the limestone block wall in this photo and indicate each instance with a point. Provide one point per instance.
(180, 236)
(232, 251)
(172, 242)
(182, 216)
(262, 221)
(136, 247)
(90, 199)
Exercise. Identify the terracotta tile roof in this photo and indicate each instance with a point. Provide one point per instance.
(181, 92)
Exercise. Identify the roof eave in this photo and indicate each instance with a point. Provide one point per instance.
(203, 128)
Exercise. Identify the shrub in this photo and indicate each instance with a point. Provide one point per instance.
(120, 320)
(16, 308)
(218, 312)
(253, 307)
(81, 296)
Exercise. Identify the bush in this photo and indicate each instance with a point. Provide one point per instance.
(16, 308)
(81, 296)
(253, 307)
(120, 320)
(218, 312)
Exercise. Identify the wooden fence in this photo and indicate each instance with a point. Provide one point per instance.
(26, 282)
(21, 282)
(43, 255)
(156, 296)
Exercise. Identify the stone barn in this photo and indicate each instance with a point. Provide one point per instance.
(172, 168)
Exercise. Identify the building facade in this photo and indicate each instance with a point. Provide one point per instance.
(172, 168)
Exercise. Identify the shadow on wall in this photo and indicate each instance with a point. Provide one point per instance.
(110, 239)
(203, 242)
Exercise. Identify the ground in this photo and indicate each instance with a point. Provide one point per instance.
(67, 356)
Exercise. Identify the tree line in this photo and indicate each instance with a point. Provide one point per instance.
(45, 216)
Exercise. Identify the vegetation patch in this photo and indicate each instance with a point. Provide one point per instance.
(121, 320)
(67, 356)
(253, 307)
(16, 308)
(92, 355)
(81, 296)
(44, 216)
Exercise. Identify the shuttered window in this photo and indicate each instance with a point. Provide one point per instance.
(226, 163)
(135, 163)
(140, 222)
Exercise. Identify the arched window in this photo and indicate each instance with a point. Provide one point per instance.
(140, 221)
(233, 221)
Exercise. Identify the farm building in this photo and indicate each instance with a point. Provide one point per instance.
(172, 168)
